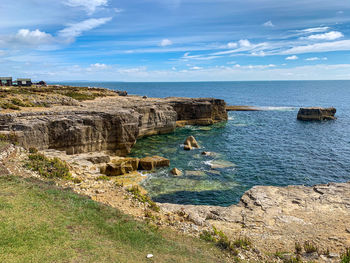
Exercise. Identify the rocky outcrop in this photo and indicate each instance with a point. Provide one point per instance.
(316, 114)
(199, 111)
(150, 163)
(274, 218)
(109, 123)
(190, 143)
(121, 166)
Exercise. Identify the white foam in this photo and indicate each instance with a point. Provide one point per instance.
(270, 108)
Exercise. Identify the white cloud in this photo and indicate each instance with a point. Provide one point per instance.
(98, 66)
(166, 42)
(268, 24)
(315, 29)
(333, 35)
(36, 37)
(244, 43)
(196, 68)
(118, 10)
(90, 6)
(74, 30)
(294, 57)
(316, 58)
(342, 45)
(232, 45)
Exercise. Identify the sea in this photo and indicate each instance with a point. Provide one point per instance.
(269, 147)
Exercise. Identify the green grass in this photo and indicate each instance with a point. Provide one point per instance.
(41, 223)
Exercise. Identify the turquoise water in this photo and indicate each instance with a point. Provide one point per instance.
(252, 148)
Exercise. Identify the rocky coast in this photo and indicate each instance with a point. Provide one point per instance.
(91, 134)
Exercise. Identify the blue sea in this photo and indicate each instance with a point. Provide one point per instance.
(253, 148)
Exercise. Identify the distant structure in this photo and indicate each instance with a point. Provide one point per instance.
(5, 81)
(24, 82)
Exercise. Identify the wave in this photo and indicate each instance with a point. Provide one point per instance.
(272, 108)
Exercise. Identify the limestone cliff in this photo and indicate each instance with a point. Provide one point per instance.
(110, 123)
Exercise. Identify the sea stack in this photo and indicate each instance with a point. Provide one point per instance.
(316, 114)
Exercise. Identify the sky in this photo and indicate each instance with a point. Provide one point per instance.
(175, 40)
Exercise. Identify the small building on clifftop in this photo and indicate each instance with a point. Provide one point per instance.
(24, 82)
(5, 81)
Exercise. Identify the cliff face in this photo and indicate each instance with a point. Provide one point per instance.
(107, 123)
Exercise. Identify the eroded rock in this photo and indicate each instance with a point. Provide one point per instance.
(121, 166)
(150, 163)
(176, 172)
(190, 143)
(316, 114)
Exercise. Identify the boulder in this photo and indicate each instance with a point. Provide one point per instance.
(176, 172)
(190, 143)
(121, 166)
(150, 163)
(99, 159)
(187, 148)
(316, 114)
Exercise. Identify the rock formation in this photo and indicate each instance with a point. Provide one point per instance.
(176, 172)
(121, 166)
(316, 114)
(190, 143)
(274, 218)
(109, 123)
(150, 163)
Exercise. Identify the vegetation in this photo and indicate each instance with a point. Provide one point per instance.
(102, 178)
(223, 242)
(66, 227)
(345, 258)
(309, 247)
(145, 199)
(15, 98)
(298, 248)
(46, 167)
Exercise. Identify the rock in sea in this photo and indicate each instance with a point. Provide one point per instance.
(316, 114)
(190, 143)
(150, 163)
(176, 172)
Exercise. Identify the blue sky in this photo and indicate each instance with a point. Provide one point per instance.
(175, 40)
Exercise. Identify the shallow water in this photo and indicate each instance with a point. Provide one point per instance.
(253, 148)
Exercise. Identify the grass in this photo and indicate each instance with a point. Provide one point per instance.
(345, 258)
(223, 242)
(309, 247)
(42, 223)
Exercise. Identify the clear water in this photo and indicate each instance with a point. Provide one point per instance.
(252, 148)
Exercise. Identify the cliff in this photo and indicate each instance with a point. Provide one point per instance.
(107, 123)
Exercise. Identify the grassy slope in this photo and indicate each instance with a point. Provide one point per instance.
(41, 223)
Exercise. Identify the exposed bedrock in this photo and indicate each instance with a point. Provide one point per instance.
(111, 123)
(316, 114)
(274, 218)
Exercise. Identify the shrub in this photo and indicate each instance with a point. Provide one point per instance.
(7, 105)
(49, 168)
(309, 247)
(298, 248)
(242, 242)
(102, 178)
(345, 258)
(33, 150)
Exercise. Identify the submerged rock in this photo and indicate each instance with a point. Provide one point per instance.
(176, 172)
(316, 114)
(150, 163)
(190, 143)
(219, 164)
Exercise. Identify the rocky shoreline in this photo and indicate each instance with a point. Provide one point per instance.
(89, 133)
